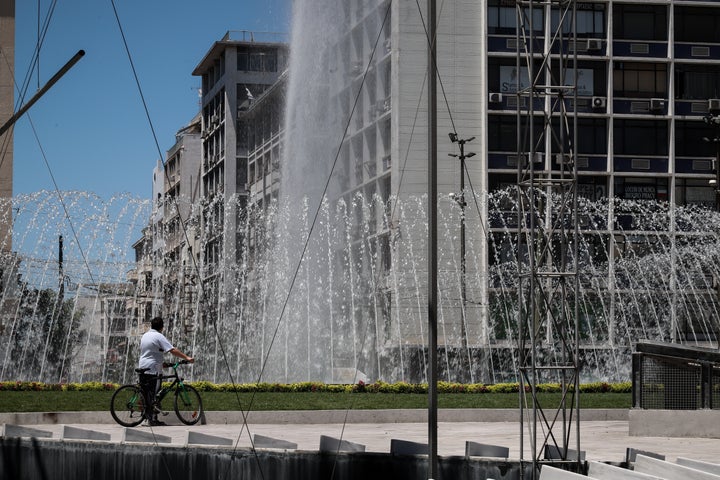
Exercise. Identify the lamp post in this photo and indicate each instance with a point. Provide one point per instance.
(460, 200)
(714, 121)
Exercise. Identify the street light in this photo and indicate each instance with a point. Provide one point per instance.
(713, 120)
(460, 200)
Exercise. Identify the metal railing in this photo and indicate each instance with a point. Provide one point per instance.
(675, 377)
(258, 37)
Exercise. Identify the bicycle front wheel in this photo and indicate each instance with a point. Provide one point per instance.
(127, 405)
(188, 404)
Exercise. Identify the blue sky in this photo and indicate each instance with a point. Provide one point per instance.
(91, 125)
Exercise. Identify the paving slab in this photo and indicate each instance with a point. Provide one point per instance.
(709, 467)
(199, 438)
(76, 433)
(9, 430)
(263, 441)
(670, 471)
(602, 440)
(605, 471)
(332, 444)
(144, 436)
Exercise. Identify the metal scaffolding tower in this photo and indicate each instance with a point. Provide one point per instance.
(546, 93)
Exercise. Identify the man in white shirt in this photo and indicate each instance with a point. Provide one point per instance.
(153, 345)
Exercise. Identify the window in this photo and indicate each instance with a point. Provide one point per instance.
(689, 191)
(590, 20)
(639, 80)
(631, 188)
(640, 22)
(502, 75)
(502, 133)
(593, 188)
(697, 82)
(697, 25)
(242, 61)
(654, 135)
(592, 135)
(592, 77)
(257, 61)
(271, 62)
(689, 139)
(502, 19)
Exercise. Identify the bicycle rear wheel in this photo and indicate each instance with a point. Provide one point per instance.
(127, 405)
(188, 404)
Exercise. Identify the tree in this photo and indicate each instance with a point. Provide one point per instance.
(45, 337)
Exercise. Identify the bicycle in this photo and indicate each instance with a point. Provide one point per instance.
(127, 405)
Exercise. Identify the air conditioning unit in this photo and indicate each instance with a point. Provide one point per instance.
(563, 158)
(594, 44)
(714, 104)
(657, 104)
(537, 157)
(495, 98)
(599, 102)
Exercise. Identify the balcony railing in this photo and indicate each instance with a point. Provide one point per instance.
(259, 37)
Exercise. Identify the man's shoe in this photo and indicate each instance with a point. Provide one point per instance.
(157, 423)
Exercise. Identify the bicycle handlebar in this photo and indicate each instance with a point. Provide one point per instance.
(175, 364)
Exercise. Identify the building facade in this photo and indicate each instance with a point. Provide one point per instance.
(234, 71)
(647, 82)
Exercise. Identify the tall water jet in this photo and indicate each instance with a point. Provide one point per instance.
(318, 333)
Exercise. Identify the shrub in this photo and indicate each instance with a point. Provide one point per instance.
(360, 387)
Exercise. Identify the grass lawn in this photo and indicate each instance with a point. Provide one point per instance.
(65, 401)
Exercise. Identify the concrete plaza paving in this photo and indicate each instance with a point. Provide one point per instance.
(604, 437)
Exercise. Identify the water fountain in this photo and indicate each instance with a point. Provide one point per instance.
(70, 255)
(356, 307)
(654, 276)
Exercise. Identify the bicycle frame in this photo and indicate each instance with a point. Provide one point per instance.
(176, 383)
(133, 402)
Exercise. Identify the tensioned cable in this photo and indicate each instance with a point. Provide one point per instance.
(367, 324)
(317, 212)
(34, 62)
(420, 97)
(435, 69)
(160, 156)
(23, 91)
(432, 70)
(203, 295)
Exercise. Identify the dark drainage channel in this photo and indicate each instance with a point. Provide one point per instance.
(33, 459)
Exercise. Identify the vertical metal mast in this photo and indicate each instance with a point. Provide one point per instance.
(548, 231)
(432, 241)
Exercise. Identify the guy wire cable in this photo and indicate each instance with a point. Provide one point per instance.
(182, 223)
(22, 91)
(34, 62)
(203, 295)
(317, 210)
(420, 98)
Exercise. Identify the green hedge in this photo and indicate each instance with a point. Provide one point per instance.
(360, 387)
